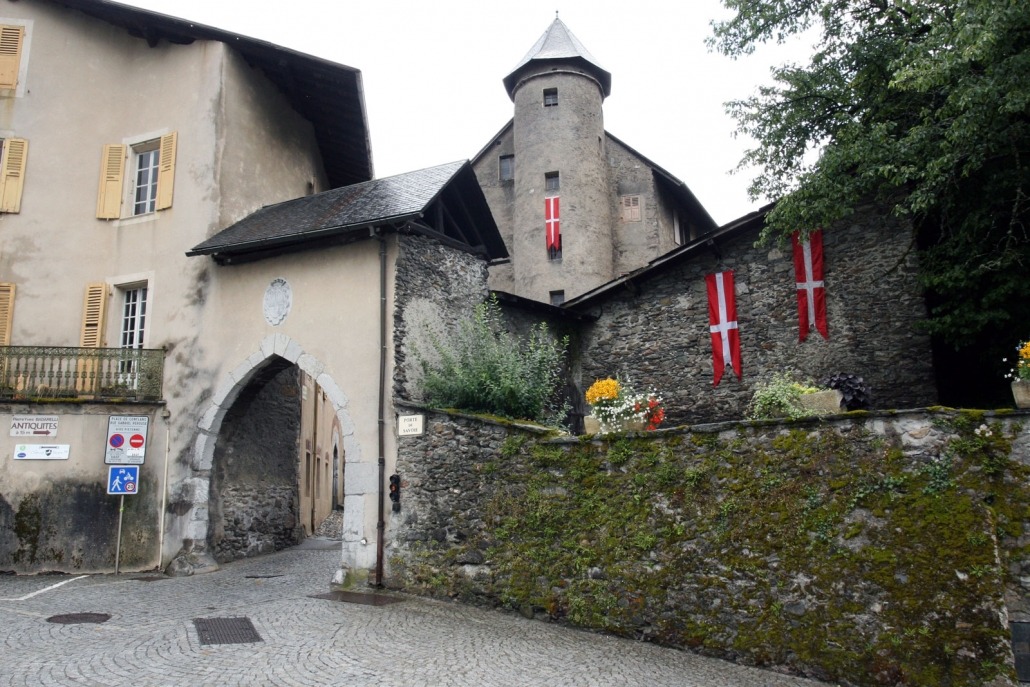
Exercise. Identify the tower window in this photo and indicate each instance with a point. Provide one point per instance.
(550, 97)
(506, 170)
(551, 181)
(557, 297)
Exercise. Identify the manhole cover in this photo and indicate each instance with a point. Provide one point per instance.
(226, 631)
(358, 598)
(77, 618)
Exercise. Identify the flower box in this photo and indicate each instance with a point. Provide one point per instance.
(1021, 393)
(822, 402)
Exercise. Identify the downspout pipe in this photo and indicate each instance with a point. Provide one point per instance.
(381, 524)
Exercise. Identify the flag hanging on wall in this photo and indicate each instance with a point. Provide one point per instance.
(552, 226)
(722, 320)
(808, 275)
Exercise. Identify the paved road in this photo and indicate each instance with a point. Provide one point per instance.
(151, 639)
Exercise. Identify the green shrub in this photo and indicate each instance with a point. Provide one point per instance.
(779, 397)
(485, 369)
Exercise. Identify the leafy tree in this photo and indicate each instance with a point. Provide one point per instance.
(919, 104)
(484, 368)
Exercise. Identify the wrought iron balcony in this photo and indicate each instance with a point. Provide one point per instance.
(40, 373)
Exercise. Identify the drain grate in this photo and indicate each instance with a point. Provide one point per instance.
(226, 631)
(79, 618)
(260, 577)
(359, 598)
(150, 578)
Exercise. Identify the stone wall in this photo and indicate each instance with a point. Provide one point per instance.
(864, 549)
(655, 332)
(435, 287)
(254, 487)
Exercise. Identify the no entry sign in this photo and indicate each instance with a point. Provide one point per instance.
(126, 439)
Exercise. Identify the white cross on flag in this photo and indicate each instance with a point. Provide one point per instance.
(722, 320)
(808, 275)
(552, 225)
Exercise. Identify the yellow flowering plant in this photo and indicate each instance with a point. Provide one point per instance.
(1022, 368)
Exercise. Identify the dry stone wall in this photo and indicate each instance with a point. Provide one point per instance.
(864, 549)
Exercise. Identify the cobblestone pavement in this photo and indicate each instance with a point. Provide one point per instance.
(151, 638)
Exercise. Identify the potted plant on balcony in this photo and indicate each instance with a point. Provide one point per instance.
(1020, 375)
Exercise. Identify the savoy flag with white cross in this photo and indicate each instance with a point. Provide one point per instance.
(722, 320)
(808, 277)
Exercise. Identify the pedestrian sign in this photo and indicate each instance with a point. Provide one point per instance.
(122, 479)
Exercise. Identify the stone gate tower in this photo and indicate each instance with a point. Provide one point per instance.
(576, 206)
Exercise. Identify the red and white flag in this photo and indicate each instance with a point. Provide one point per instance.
(552, 225)
(808, 275)
(722, 320)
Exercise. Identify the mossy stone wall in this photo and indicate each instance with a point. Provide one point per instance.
(865, 549)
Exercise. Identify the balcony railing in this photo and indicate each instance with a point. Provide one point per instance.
(51, 372)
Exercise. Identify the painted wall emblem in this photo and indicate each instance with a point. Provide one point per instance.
(278, 301)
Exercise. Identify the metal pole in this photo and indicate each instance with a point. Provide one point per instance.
(118, 543)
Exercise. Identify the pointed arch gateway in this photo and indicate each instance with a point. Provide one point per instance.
(249, 471)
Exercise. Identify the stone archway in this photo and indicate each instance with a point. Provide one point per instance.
(195, 555)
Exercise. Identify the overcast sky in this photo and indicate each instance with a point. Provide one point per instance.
(432, 74)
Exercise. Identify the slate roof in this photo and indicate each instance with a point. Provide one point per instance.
(328, 94)
(350, 212)
(559, 45)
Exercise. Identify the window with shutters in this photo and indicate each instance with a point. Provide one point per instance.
(12, 173)
(6, 313)
(151, 181)
(630, 208)
(12, 41)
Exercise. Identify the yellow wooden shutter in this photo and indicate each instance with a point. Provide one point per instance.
(94, 307)
(10, 54)
(112, 168)
(12, 173)
(6, 313)
(166, 172)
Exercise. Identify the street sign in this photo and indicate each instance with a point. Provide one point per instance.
(126, 439)
(42, 451)
(34, 425)
(409, 425)
(122, 479)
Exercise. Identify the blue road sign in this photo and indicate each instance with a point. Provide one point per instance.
(122, 479)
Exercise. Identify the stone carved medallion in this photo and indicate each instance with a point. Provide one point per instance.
(278, 301)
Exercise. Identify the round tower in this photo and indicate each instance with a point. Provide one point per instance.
(562, 243)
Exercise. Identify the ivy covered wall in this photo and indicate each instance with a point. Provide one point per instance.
(865, 549)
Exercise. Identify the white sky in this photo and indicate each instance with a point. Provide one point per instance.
(432, 74)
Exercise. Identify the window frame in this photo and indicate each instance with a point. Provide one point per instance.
(506, 172)
(550, 97)
(146, 153)
(552, 182)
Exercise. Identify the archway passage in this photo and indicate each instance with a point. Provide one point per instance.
(254, 504)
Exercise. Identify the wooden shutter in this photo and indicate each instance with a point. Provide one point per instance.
(11, 38)
(6, 313)
(12, 173)
(631, 208)
(166, 172)
(94, 307)
(112, 169)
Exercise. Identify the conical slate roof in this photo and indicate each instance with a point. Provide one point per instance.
(558, 45)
